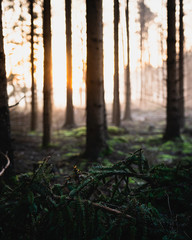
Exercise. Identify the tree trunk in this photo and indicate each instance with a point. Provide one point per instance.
(142, 23)
(96, 121)
(127, 114)
(173, 119)
(69, 122)
(47, 88)
(5, 135)
(116, 102)
(33, 81)
(181, 68)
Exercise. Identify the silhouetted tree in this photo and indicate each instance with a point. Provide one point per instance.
(47, 88)
(127, 114)
(95, 122)
(145, 17)
(69, 122)
(33, 80)
(116, 103)
(173, 112)
(181, 68)
(5, 137)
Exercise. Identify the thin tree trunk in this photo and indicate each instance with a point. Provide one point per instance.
(69, 122)
(181, 68)
(5, 133)
(173, 113)
(141, 54)
(127, 114)
(33, 81)
(47, 88)
(116, 102)
(96, 121)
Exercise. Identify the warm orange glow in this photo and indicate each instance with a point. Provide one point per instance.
(21, 52)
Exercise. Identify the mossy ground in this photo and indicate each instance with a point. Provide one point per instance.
(67, 146)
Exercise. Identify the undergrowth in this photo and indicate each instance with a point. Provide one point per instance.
(128, 200)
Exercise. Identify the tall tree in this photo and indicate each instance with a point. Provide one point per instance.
(181, 64)
(145, 17)
(173, 113)
(33, 80)
(127, 113)
(69, 122)
(5, 137)
(47, 88)
(95, 121)
(116, 103)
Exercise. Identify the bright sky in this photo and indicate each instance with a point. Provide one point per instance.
(79, 45)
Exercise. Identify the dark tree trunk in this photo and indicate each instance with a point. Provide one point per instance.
(96, 121)
(181, 69)
(33, 81)
(47, 88)
(116, 102)
(173, 113)
(69, 122)
(127, 114)
(5, 135)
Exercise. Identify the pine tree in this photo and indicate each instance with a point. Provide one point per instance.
(181, 67)
(173, 113)
(47, 88)
(96, 119)
(33, 80)
(116, 102)
(69, 122)
(5, 133)
(127, 113)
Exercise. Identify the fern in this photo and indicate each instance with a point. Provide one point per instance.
(125, 201)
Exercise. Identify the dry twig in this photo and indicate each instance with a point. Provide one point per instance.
(7, 165)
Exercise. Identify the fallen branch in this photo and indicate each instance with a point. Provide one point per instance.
(111, 210)
(105, 208)
(7, 165)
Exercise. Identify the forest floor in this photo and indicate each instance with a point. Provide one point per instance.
(144, 132)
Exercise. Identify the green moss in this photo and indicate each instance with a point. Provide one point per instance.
(187, 147)
(136, 147)
(169, 145)
(154, 140)
(113, 130)
(35, 134)
(106, 162)
(79, 132)
(166, 157)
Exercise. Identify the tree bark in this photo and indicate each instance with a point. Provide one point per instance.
(142, 25)
(33, 80)
(69, 122)
(181, 67)
(95, 121)
(5, 132)
(116, 102)
(47, 88)
(173, 113)
(127, 114)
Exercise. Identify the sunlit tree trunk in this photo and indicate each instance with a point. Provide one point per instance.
(5, 138)
(116, 102)
(95, 122)
(127, 114)
(181, 69)
(173, 112)
(47, 88)
(33, 81)
(69, 122)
